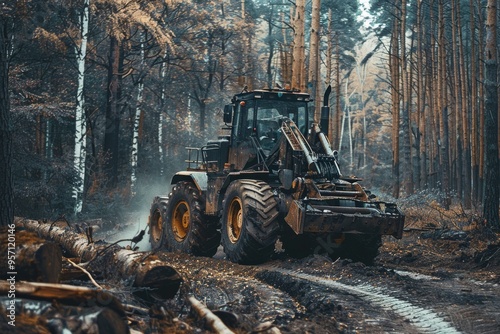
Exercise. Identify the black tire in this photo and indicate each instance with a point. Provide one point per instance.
(187, 229)
(157, 216)
(361, 247)
(249, 222)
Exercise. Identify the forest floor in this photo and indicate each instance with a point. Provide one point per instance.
(443, 276)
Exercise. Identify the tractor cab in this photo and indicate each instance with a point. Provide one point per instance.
(256, 119)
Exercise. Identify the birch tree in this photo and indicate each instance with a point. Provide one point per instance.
(80, 120)
(137, 119)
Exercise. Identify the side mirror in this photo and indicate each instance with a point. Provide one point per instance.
(228, 113)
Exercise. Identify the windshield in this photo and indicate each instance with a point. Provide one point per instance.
(269, 116)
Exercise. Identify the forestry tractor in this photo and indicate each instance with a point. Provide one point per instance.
(273, 177)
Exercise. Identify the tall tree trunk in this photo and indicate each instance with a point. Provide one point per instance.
(338, 108)
(395, 85)
(80, 120)
(314, 65)
(270, 40)
(298, 46)
(111, 137)
(491, 195)
(457, 143)
(443, 109)
(6, 187)
(421, 163)
(481, 102)
(134, 154)
(466, 162)
(434, 98)
(405, 94)
(163, 97)
(474, 105)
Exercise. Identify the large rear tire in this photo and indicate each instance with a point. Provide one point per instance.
(187, 229)
(157, 222)
(249, 222)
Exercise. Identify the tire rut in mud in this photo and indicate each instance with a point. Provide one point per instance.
(317, 295)
(374, 310)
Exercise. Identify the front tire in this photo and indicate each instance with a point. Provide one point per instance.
(249, 222)
(187, 229)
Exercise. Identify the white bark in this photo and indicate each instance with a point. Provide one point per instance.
(135, 135)
(80, 122)
(361, 71)
(163, 74)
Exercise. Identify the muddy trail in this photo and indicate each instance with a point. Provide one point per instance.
(430, 281)
(417, 285)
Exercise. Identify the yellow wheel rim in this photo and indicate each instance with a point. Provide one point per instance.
(157, 228)
(234, 220)
(180, 220)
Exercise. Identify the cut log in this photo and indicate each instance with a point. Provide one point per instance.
(34, 259)
(145, 269)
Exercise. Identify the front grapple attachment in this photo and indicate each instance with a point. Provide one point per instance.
(342, 207)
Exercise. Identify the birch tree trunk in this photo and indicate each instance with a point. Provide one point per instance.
(163, 74)
(80, 122)
(137, 121)
(361, 71)
(491, 196)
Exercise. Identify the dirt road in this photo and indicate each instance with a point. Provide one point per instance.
(404, 292)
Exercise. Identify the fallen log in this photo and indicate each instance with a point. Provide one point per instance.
(211, 319)
(144, 269)
(31, 258)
